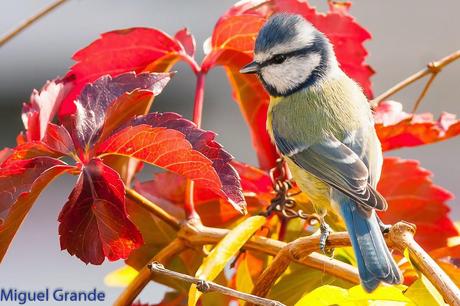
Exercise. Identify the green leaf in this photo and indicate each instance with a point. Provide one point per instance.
(223, 252)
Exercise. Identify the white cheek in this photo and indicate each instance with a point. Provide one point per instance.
(290, 74)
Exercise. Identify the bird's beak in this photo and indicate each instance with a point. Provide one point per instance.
(252, 67)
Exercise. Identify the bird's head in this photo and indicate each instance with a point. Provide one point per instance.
(290, 54)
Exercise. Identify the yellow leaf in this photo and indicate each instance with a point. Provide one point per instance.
(422, 290)
(424, 293)
(120, 277)
(223, 252)
(243, 277)
(332, 295)
(325, 295)
(300, 280)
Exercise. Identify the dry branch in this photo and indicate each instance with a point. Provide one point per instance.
(297, 250)
(207, 286)
(402, 236)
(28, 22)
(432, 69)
(197, 234)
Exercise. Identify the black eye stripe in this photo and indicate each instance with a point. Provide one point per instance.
(309, 49)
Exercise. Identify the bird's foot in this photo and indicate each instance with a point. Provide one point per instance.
(325, 231)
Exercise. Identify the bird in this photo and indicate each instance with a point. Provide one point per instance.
(322, 124)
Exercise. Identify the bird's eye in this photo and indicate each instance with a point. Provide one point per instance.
(278, 59)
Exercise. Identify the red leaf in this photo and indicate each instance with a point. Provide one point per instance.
(41, 109)
(232, 43)
(252, 100)
(58, 139)
(187, 41)
(117, 52)
(30, 150)
(171, 142)
(398, 129)
(126, 107)
(20, 184)
(4, 154)
(203, 142)
(94, 223)
(413, 197)
(97, 98)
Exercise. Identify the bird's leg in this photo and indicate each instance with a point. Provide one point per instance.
(384, 228)
(325, 231)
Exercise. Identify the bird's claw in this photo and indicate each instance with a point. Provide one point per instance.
(325, 231)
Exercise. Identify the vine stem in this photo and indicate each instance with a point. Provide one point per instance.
(29, 21)
(432, 68)
(208, 286)
(189, 207)
(199, 98)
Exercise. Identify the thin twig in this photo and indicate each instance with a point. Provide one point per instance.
(135, 287)
(432, 68)
(153, 208)
(402, 236)
(424, 91)
(208, 286)
(28, 22)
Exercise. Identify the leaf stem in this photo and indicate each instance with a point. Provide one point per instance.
(134, 288)
(190, 211)
(208, 286)
(432, 68)
(199, 98)
(28, 22)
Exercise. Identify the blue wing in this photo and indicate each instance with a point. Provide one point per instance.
(337, 165)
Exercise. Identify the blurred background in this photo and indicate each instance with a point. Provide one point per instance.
(406, 36)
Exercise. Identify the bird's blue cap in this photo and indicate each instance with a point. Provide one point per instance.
(279, 29)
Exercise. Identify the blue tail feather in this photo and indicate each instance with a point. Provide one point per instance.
(375, 263)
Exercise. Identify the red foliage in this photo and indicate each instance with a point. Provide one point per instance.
(93, 222)
(398, 129)
(102, 104)
(117, 52)
(41, 109)
(413, 197)
(21, 182)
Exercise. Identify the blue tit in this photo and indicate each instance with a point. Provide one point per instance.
(322, 124)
